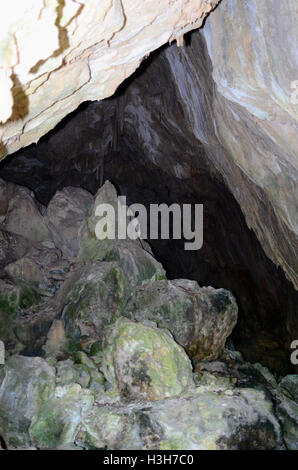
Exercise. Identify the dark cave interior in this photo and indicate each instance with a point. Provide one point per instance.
(100, 141)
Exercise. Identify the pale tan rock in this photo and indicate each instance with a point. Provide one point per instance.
(254, 60)
(54, 55)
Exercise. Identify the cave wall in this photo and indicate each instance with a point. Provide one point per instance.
(55, 54)
(253, 50)
(142, 140)
(244, 117)
(218, 109)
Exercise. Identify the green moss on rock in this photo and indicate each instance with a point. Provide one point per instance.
(144, 362)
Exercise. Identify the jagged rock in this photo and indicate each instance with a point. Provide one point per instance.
(144, 362)
(290, 383)
(114, 396)
(13, 297)
(12, 247)
(17, 330)
(58, 420)
(209, 418)
(56, 343)
(287, 412)
(94, 297)
(256, 376)
(200, 318)
(24, 383)
(24, 215)
(27, 270)
(213, 414)
(258, 159)
(135, 255)
(65, 216)
(85, 51)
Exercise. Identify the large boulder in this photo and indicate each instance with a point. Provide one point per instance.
(94, 297)
(65, 216)
(58, 420)
(12, 247)
(24, 383)
(24, 215)
(209, 418)
(200, 318)
(144, 363)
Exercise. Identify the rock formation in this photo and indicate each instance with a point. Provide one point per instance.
(245, 119)
(56, 54)
(105, 348)
(88, 365)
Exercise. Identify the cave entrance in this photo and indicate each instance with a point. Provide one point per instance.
(143, 142)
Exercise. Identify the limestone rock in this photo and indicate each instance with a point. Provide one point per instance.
(24, 383)
(200, 318)
(14, 297)
(12, 247)
(255, 85)
(94, 298)
(290, 383)
(56, 343)
(208, 418)
(65, 216)
(58, 419)
(144, 362)
(287, 412)
(13, 300)
(27, 270)
(77, 52)
(134, 255)
(24, 215)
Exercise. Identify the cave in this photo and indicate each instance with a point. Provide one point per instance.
(167, 135)
(98, 142)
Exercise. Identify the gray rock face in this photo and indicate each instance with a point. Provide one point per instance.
(109, 381)
(24, 215)
(254, 86)
(65, 216)
(24, 383)
(95, 299)
(144, 363)
(208, 419)
(12, 247)
(200, 318)
(134, 255)
(290, 383)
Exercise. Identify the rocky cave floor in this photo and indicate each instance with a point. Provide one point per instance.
(103, 352)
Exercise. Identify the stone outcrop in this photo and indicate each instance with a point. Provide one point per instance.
(255, 118)
(208, 124)
(91, 366)
(200, 318)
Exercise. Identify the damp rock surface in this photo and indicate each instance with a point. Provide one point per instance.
(103, 359)
(200, 318)
(144, 363)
